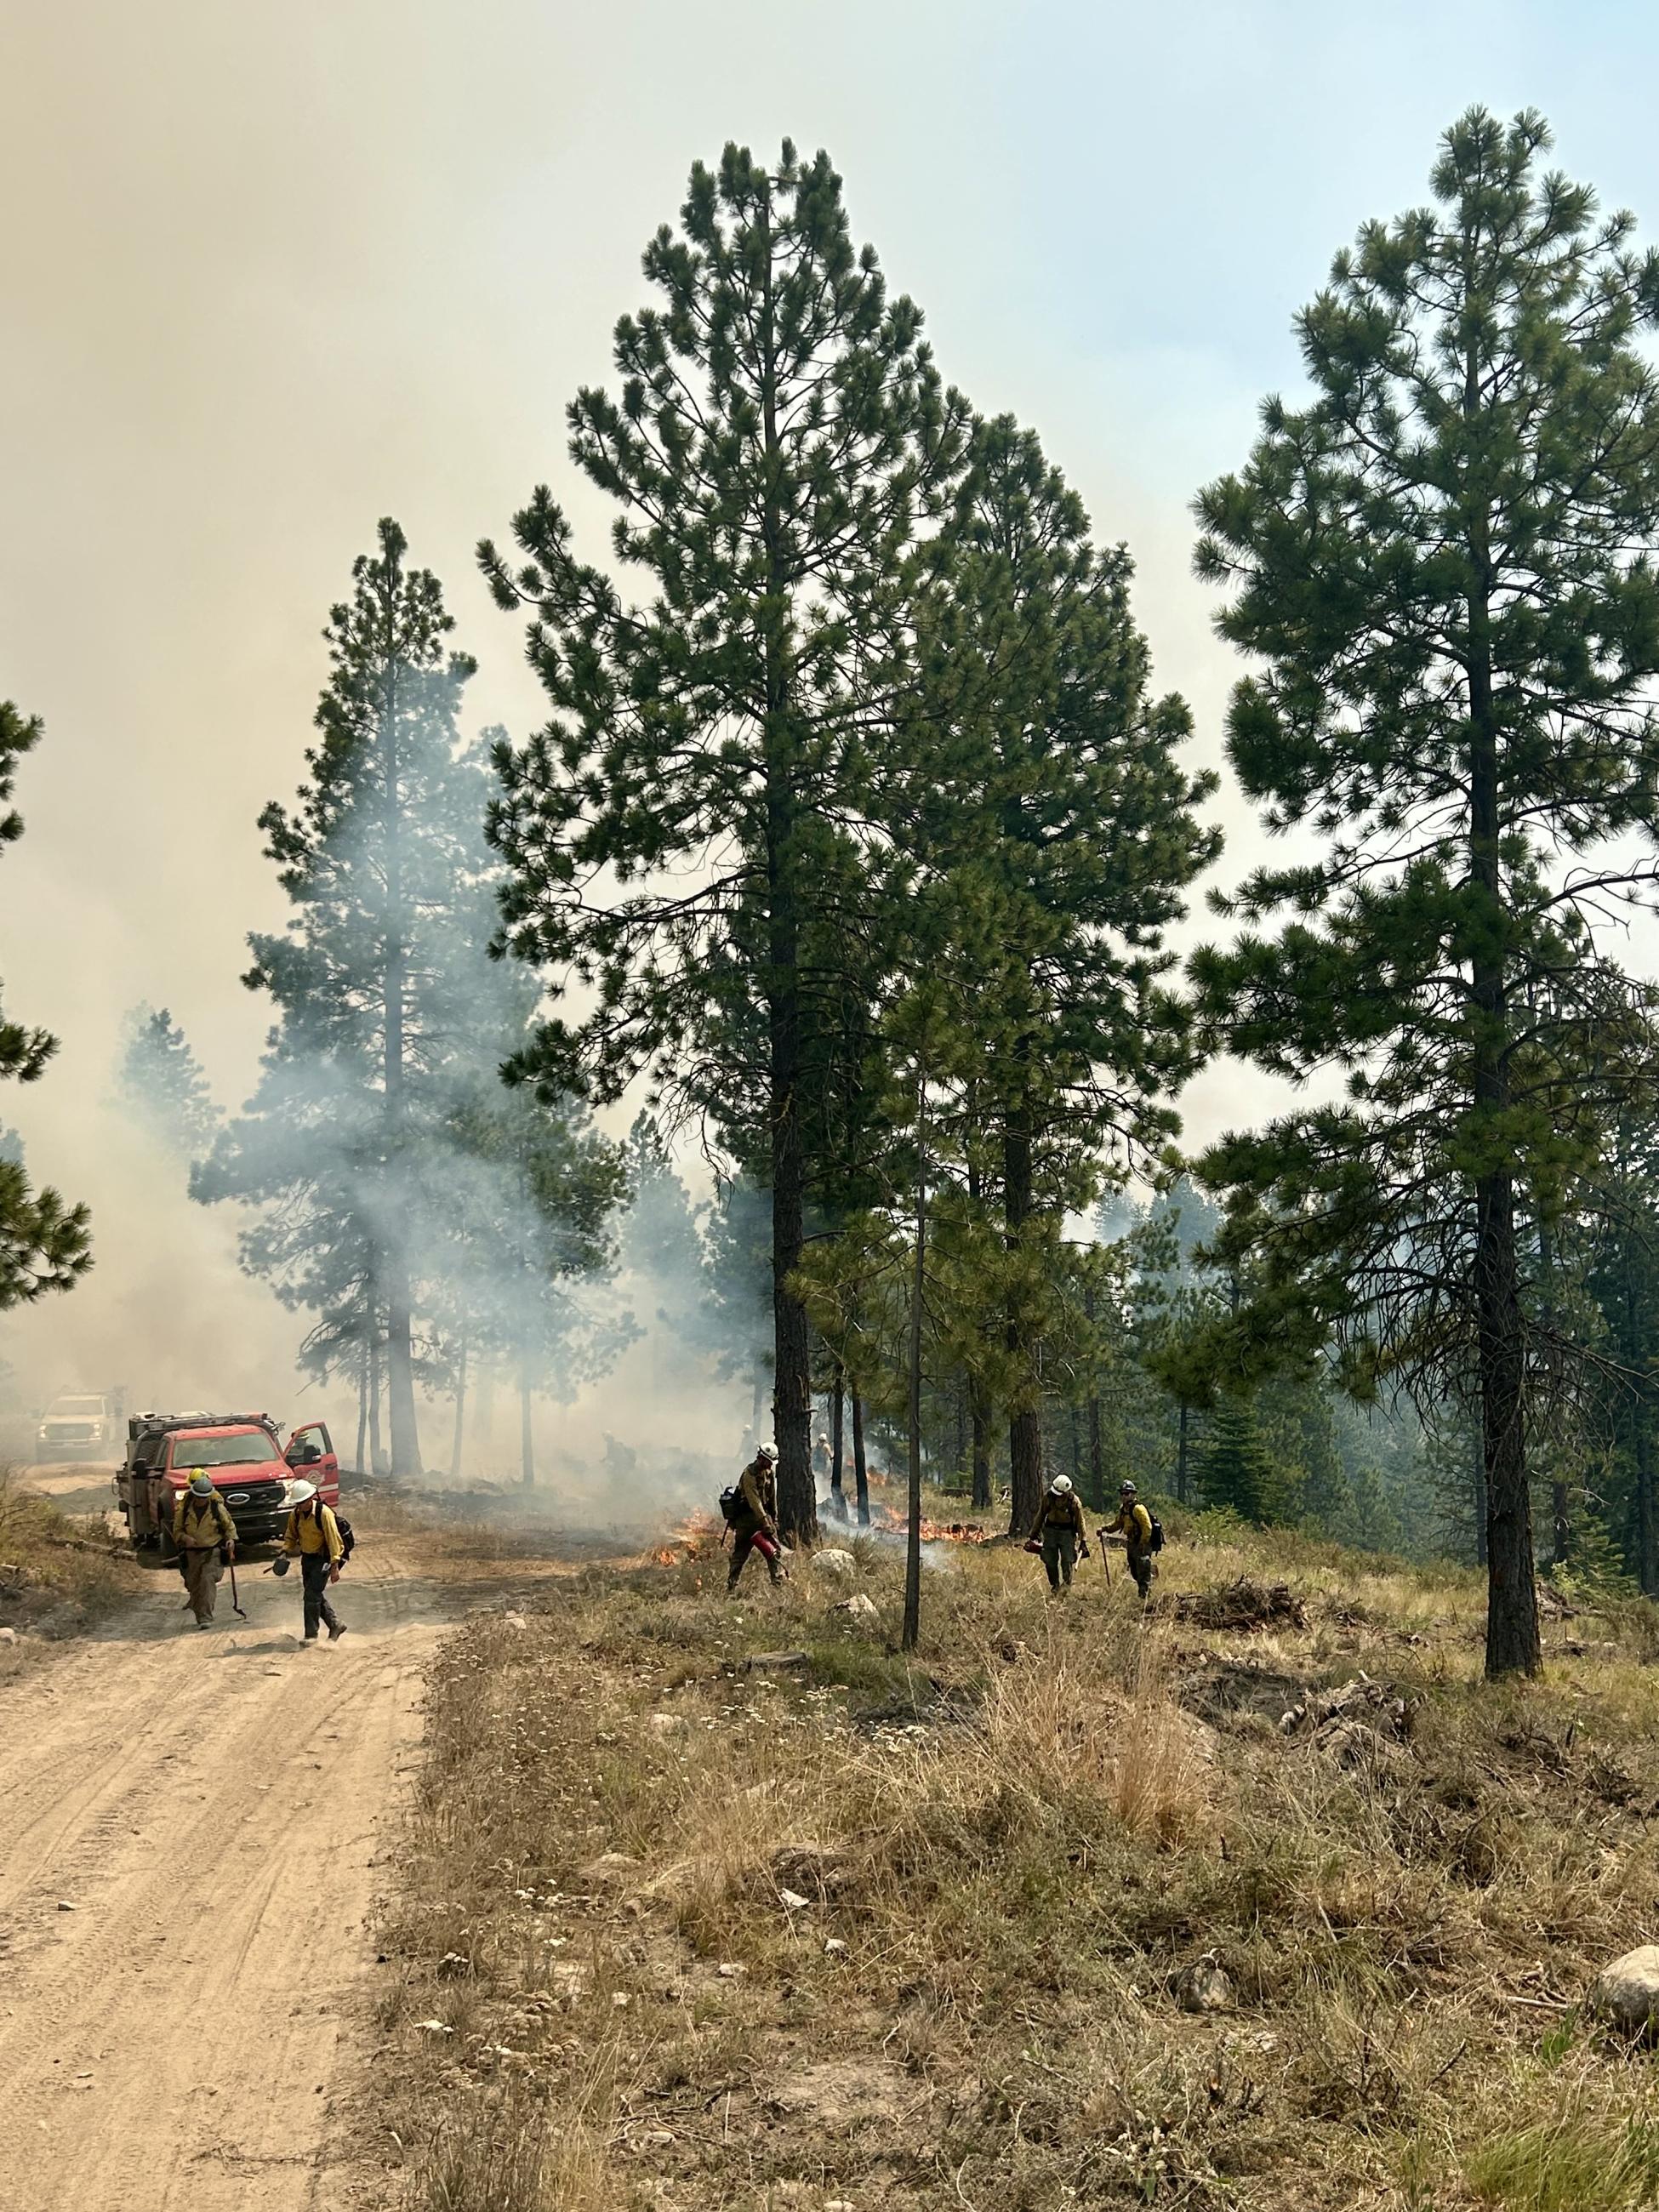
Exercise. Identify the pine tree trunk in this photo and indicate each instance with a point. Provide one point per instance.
(860, 1470)
(1183, 1449)
(1025, 1427)
(979, 1425)
(376, 1455)
(460, 1415)
(1513, 1644)
(1647, 1522)
(1480, 1471)
(837, 1418)
(1561, 1525)
(912, 1628)
(400, 1366)
(1636, 1355)
(527, 1436)
(1097, 1460)
(400, 1374)
(1512, 1638)
(362, 1410)
(793, 1381)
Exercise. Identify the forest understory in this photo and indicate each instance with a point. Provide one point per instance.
(725, 1903)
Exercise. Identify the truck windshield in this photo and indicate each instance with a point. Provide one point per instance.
(222, 1451)
(76, 1405)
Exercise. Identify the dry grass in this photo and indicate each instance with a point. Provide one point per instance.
(57, 1573)
(677, 1934)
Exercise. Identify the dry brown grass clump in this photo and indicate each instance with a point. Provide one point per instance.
(57, 1573)
(675, 1933)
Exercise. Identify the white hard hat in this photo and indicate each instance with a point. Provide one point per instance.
(1061, 1484)
(302, 1493)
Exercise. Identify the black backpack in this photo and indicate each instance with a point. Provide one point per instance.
(731, 1505)
(347, 1538)
(1156, 1540)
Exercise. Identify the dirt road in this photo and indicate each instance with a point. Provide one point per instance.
(209, 1805)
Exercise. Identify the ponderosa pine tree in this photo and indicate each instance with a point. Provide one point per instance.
(780, 429)
(1440, 562)
(1051, 811)
(1235, 1471)
(164, 1085)
(380, 980)
(532, 1196)
(44, 1245)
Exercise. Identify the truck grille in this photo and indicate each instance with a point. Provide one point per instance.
(68, 1432)
(258, 1511)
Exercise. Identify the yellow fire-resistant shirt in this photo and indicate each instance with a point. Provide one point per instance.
(202, 1524)
(1060, 1510)
(313, 1532)
(1134, 1525)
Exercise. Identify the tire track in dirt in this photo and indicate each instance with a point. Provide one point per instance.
(209, 1806)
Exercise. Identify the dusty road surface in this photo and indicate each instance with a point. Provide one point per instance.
(209, 1806)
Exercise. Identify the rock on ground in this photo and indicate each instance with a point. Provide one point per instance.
(839, 1565)
(1626, 1992)
(859, 1608)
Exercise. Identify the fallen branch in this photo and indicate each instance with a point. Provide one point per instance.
(1243, 1604)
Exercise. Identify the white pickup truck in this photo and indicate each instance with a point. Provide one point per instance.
(81, 1424)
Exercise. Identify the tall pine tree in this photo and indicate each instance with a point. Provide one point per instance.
(780, 425)
(1054, 823)
(1439, 563)
(163, 1083)
(379, 981)
(44, 1245)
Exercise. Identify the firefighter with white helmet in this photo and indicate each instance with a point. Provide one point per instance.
(312, 1537)
(1058, 1532)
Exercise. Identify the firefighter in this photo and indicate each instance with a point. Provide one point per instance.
(313, 1538)
(1059, 1529)
(202, 1526)
(755, 1521)
(1134, 1525)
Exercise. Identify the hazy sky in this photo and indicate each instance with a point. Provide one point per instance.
(269, 271)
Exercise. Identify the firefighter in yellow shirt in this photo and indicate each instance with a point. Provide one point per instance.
(1134, 1525)
(313, 1538)
(201, 1525)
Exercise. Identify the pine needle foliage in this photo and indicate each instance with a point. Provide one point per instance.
(1438, 563)
(44, 1242)
(779, 435)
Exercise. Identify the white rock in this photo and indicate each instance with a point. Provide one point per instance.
(608, 1868)
(834, 1946)
(1627, 1992)
(728, 1972)
(666, 1723)
(8, 1636)
(792, 1901)
(513, 1620)
(63, 1906)
(857, 1608)
(435, 2027)
(841, 1566)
